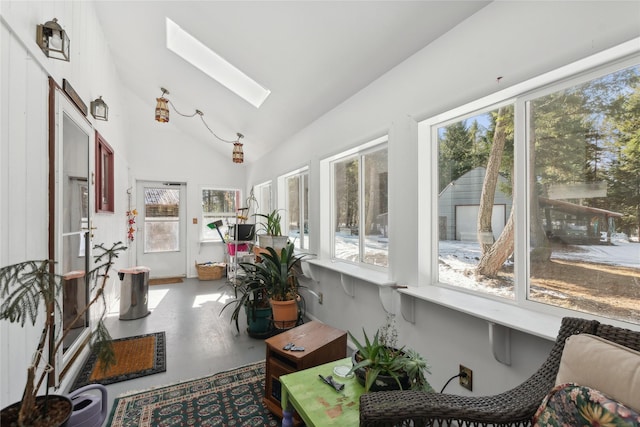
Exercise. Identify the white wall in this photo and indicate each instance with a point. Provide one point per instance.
(163, 153)
(143, 149)
(24, 164)
(514, 40)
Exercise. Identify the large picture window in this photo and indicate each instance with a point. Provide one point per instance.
(219, 205)
(584, 191)
(262, 194)
(566, 156)
(296, 190)
(360, 207)
(475, 197)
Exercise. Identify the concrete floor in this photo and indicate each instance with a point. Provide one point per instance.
(199, 341)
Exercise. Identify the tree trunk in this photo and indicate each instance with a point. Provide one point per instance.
(492, 260)
(485, 211)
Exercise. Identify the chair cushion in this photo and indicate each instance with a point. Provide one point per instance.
(611, 368)
(574, 405)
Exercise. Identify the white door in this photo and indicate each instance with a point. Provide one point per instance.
(161, 240)
(72, 223)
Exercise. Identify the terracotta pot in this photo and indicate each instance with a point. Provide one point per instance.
(60, 409)
(285, 313)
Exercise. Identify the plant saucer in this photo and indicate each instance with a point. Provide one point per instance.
(342, 371)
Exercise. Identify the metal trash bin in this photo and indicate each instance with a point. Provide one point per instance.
(134, 292)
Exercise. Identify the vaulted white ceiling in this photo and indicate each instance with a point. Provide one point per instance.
(312, 55)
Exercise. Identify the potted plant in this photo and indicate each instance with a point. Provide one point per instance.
(277, 273)
(379, 365)
(30, 288)
(272, 236)
(250, 296)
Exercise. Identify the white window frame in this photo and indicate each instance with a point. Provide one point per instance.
(257, 193)
(228, 217)
(327, 217)
(534, 317)
(283, 200)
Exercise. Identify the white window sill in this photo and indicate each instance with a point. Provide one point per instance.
(505, 313)
(501, 316)
(348, 275)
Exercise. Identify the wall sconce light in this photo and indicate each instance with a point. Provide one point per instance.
(162, 107)
(99, 109)
(162, 115)
(238, 155)
(53, 40)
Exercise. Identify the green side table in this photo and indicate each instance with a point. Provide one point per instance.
(317, 403)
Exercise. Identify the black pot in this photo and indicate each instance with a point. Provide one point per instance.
(61, 411)
(382, 382)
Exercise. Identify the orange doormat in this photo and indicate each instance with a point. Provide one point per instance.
(135, 357)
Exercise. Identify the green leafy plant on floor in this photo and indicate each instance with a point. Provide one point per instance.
(30, 289)
(277, 273)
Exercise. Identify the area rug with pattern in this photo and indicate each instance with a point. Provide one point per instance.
(135, 357)
(230, 398)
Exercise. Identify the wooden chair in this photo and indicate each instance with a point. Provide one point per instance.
(515, 407)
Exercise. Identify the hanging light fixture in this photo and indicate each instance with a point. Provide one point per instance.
(162, 115)
(99, 109)
(53, 40)
(238, 155)
(162, 107)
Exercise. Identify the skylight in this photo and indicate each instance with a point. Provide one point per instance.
(200, 56)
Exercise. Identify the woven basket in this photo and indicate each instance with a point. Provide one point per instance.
(210, 271)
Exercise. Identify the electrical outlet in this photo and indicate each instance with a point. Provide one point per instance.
(320, 297)
(466, 378)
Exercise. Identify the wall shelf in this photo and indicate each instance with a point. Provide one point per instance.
(349, 273)
(501, 316)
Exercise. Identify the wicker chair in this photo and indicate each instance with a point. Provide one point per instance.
(515, 407)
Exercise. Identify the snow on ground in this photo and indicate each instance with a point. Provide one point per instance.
(621, 253)
(465, 255)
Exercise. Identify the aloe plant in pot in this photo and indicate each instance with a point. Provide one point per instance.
(30, 289)
(272, 236)
(379, 365)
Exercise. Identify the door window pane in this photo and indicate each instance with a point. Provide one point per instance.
(162, 220)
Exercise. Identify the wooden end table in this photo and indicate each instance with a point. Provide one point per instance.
(322, 343)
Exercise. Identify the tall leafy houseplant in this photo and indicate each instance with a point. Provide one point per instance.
(250, 295)
(31, 288)
(277, 274)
